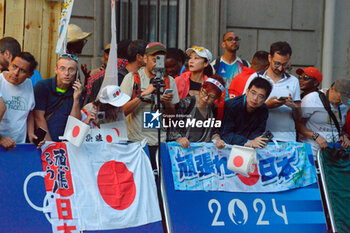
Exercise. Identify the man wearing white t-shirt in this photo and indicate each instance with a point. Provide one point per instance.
(284, 100)
(2, 107)
(18, 95)
(317, 127)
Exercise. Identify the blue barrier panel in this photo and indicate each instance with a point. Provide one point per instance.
(296, 210)
(16, 215)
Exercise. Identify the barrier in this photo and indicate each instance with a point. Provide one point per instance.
(16, 214)
(296, 210)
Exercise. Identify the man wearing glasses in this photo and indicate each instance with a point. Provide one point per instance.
(245, 116)
(229, 65)
(57, 98)
(284, 100)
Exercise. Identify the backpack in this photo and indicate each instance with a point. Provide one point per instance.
(136, 89)
(217, 64)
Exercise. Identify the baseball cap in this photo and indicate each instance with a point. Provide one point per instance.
(155, 47)
(75, 33)
(112, 94)
(201, 51)
(343, 86)
(311, 72)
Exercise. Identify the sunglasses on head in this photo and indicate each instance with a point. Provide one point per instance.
(70, 56)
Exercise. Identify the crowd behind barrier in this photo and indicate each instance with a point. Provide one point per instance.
(242, 102)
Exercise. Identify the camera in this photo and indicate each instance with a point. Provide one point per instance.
(100, 115)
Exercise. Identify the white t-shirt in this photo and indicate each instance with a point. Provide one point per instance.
(319, 120)
(19, 101)
(280, 121)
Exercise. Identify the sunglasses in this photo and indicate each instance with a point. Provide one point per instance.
(199, 49)
(70, 56)
(305, 78)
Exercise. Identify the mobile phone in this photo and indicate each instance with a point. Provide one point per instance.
(160, 61)
(167, 91)
(267, 135)
(282, 98)
(40, 133)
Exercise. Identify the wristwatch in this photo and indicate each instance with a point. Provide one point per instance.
(140, 97)
(315, 136)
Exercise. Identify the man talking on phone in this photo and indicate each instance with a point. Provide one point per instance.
(138, 85)
(58, 97)
(284, 100)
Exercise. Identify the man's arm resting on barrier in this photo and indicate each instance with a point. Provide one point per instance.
(301, 128)
(39, 118)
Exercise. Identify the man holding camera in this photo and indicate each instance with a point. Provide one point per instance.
(57, 98)
(138, 85)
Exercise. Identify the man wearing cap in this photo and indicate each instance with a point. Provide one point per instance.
(284, 100)
(229, 65)
(138, 86)
(317, 126)
(58, 97)
(309, 80)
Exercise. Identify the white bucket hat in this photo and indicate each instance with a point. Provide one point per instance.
(113, 95)
(75, 33)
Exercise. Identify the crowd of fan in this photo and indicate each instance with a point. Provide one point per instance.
(248, 97)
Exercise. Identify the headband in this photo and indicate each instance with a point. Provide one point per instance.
(216, 83)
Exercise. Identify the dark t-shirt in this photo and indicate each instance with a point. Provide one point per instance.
(197, 133)
(195, 86)
(47, 98)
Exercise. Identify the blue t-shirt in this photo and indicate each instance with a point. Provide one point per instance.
(47, 98)
(36, 77)
(229, 71)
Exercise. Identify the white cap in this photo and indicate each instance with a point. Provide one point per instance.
(201, 51)
(112, 95)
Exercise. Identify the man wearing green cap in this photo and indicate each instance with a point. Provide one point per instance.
(142, 92)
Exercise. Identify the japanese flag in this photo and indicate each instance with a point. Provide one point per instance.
(75, 131)
(114, 186)
(241, 160)
(114, 132)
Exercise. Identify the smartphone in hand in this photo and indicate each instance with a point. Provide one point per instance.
(40, 133)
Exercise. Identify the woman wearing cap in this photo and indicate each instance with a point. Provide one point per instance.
(107, 109)
(317, 126)
(189, 83)
(199, 107)
(309, 80)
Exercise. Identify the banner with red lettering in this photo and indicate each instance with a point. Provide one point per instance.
(99, 186)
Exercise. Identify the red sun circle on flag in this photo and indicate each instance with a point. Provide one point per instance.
(117, 93)
(76, 131)
(217, 83)
(238, 161)
(116, 185)
(109, 138)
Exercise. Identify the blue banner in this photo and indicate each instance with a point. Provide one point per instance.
(295, 210)
(204, 167)
(21, 208)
